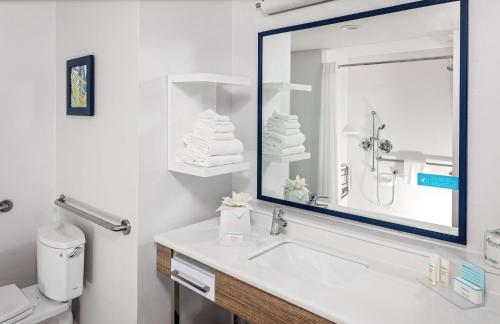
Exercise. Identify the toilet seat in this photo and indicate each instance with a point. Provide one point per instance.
(14, 305)
(42, 309)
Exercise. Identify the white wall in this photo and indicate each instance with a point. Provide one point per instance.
(27, 128)
(176, 37)
(306, 69)
(277, 68)
(484, 116)
(97, 157)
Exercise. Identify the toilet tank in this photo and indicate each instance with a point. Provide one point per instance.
(60, 255)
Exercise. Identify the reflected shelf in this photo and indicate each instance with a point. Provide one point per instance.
(286, 158)
(286, 86)
(209, 78)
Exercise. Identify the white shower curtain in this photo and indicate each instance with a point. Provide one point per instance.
(326, 165)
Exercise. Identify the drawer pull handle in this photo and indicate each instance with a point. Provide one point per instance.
(203, 289)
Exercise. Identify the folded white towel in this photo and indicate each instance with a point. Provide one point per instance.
(282, 131)
(282, 123)
(208, 161)
(210, 135)
(284, 151)
(414, 163)
(212, 147)
(284, 141)
(212, 115)
(213, 126)
(279, 116)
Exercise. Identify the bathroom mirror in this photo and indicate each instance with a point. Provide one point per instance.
(363, 117)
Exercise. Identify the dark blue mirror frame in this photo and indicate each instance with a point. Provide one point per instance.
(461, 238)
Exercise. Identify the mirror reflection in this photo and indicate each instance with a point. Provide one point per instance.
(362, 117)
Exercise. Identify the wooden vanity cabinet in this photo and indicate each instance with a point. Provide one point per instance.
(163, 259)
(258, 306)
(246, 301)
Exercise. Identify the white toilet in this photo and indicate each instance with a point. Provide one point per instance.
(60, 255)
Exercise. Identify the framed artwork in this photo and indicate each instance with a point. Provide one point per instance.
(80, 86)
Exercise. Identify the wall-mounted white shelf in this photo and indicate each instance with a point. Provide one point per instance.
(350, 131)
(188, 95)
(209, 78)
(198, 171)
(285, 86)
(286, 158)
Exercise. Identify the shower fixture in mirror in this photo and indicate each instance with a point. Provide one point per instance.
(364, 117)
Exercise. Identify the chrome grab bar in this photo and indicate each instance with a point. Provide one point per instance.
(402, 161)
(177, 275)
(123, 227)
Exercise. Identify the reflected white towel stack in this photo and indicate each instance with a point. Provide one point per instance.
(282, 135)
(414, 163)
(212, 142)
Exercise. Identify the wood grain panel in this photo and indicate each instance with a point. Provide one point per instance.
(163, 259)
(257, 306)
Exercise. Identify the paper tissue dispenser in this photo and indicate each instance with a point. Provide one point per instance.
(193, 275)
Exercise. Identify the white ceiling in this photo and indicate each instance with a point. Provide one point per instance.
(435, 22)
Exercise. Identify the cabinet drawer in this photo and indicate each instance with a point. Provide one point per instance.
(257, 306)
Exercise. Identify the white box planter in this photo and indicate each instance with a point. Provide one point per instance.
(234, 223)
(298, 196)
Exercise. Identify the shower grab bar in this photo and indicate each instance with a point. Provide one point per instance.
(123, 227)
(402, 161)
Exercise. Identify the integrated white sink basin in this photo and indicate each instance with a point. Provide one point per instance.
(309, 263)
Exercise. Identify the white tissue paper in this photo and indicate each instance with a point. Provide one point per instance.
(298, 196)
(296, 190)
(235, 217)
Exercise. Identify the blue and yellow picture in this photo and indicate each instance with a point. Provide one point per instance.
(80, 86)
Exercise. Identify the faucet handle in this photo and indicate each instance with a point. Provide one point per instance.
(277, 222)
(280, 218)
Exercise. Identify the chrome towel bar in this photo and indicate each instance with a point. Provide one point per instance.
(203, 289)
(123, 227)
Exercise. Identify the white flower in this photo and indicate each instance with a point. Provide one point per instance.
(299, 184)
(241, 199)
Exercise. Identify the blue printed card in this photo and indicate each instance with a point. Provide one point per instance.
(472, 274)
(438, 181)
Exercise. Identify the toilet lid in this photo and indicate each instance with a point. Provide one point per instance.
(13, 303)
(61, 236)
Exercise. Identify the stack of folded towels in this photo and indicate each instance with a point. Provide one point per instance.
(212, 142)
(282, 135)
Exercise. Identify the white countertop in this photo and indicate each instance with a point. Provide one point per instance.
(384, 294)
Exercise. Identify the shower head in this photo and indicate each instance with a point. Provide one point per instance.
(379, 129)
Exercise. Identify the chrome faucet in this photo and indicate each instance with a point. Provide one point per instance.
(278, 222)
(315, 200)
